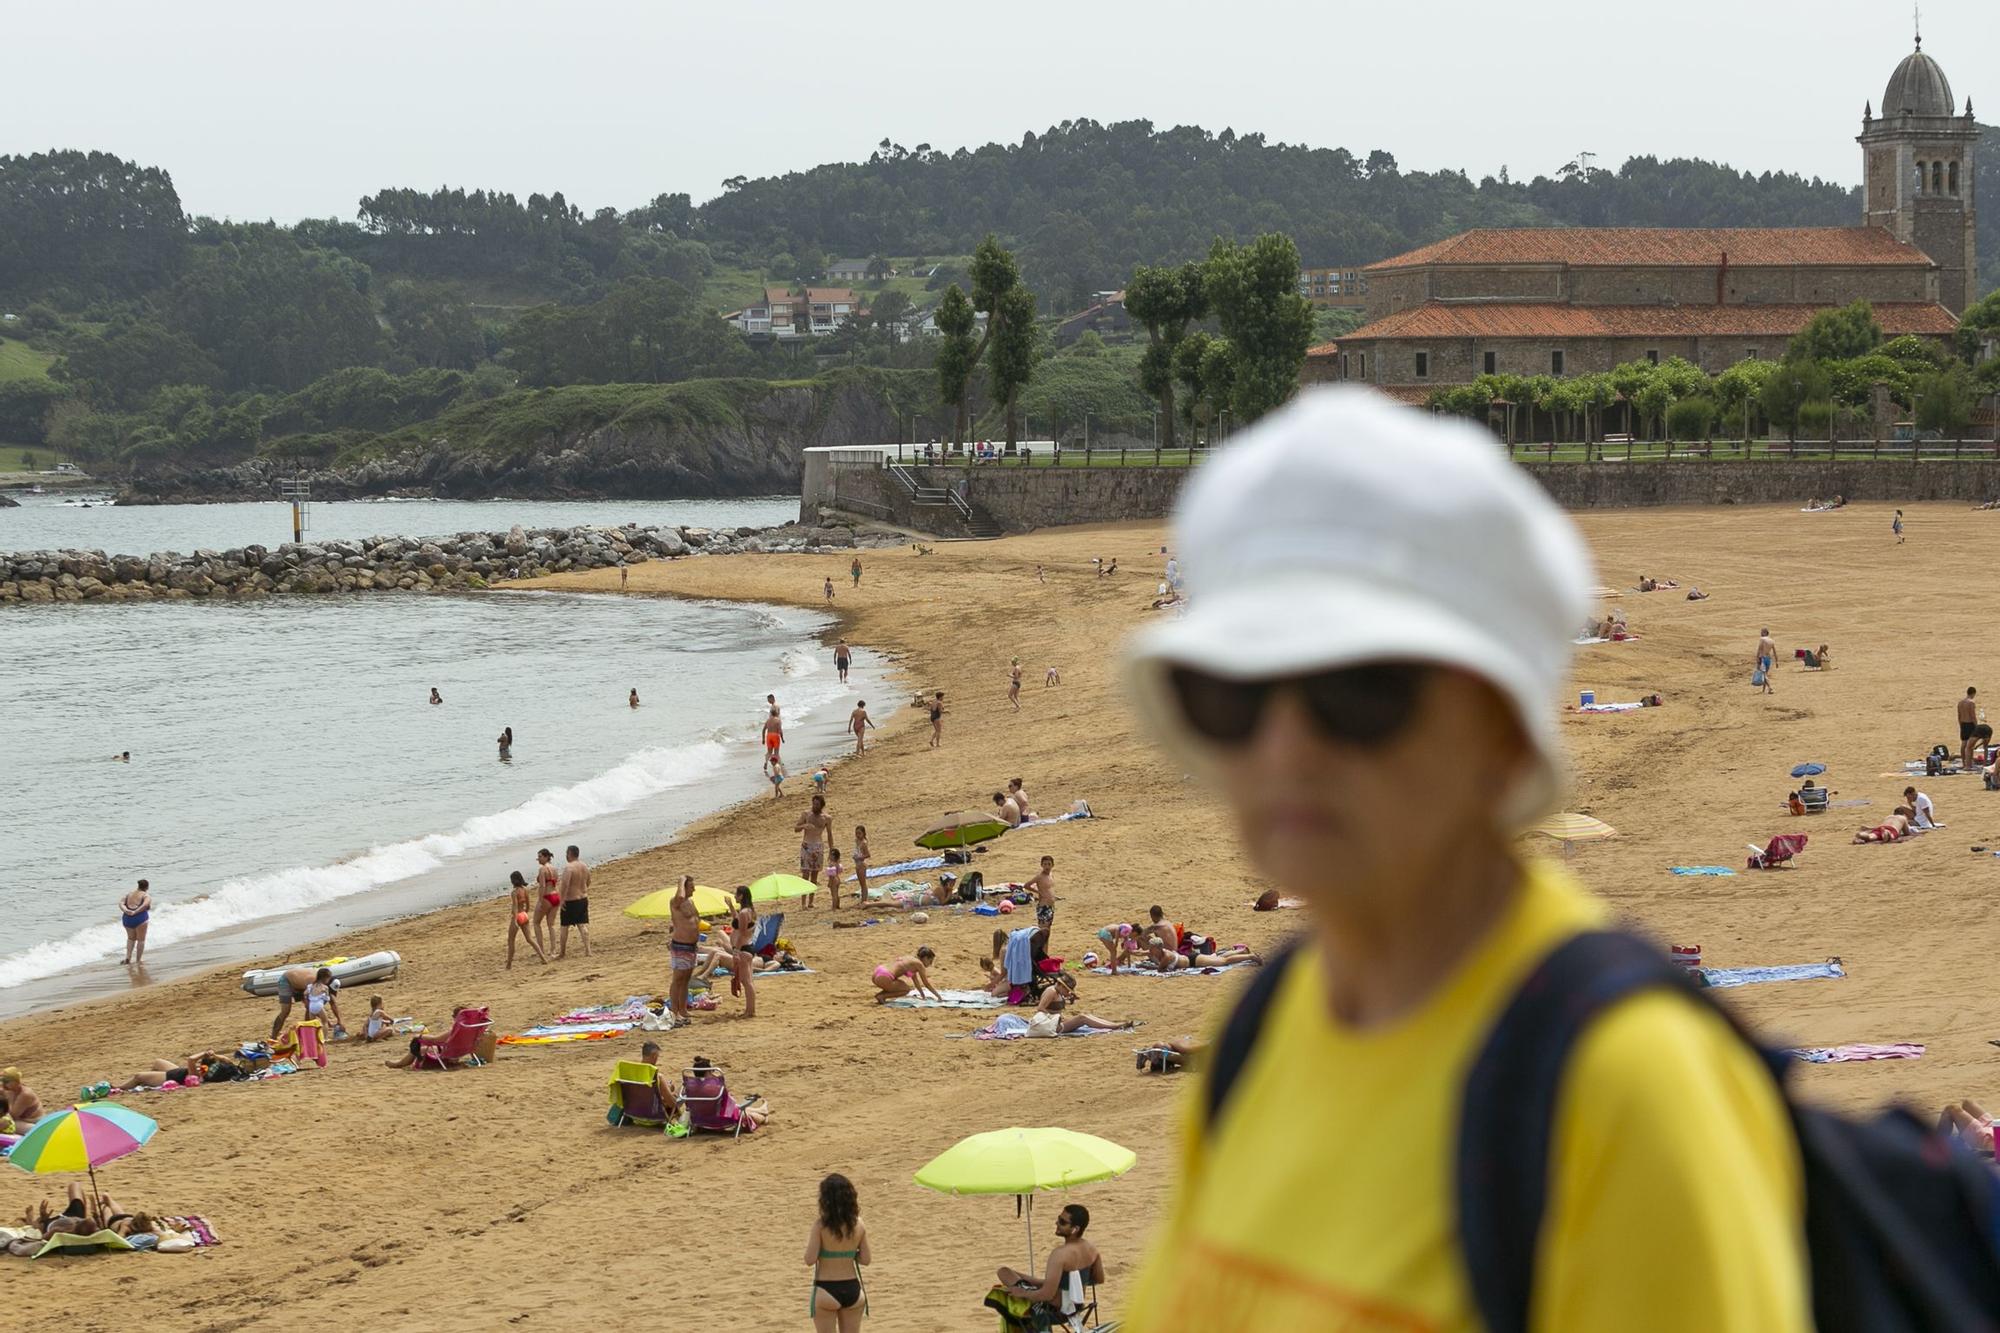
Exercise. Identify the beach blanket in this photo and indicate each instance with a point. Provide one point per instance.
(1610, 708)
(191, 1225)
(953, 999)
(1148, 970)
(1699, 870)
(901, 867)
(1019, 956)
(631, 1007)
(1720, 978)
(98, 1240)
(551, 1034)
(1082, 811)
(278, 1070)
(1012, 1027)
(1622, 638)
(1860, 1050)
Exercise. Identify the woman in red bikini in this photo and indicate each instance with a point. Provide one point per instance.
(550, 901)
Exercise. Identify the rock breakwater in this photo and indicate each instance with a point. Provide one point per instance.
(463, 562)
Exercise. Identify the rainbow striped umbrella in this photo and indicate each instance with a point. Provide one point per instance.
(82, 1138)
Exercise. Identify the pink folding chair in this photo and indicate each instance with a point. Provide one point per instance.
(710, 1108)
(456, 1046)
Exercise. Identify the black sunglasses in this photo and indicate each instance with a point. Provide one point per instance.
(1357, 705)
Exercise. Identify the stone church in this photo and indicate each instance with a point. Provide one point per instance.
(1577, 300)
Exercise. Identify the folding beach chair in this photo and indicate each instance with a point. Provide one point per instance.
(455, 1047)
(710, 1108)
(1779, 851)
(1814, 799)
(635, 1096)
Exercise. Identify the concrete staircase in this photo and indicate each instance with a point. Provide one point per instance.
(948, 504)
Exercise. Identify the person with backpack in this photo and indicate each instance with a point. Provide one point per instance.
(1373, 589)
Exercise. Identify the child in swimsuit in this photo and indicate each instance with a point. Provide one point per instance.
(379, 1024)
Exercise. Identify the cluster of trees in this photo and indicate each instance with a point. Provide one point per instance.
(644, 331)
(1825, 383)
(999, 294)
(1250, 362)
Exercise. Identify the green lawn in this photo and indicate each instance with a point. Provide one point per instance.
(18, 361)
(731, 287)
(11, 460)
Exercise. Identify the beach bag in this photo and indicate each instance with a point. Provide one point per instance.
(1757, 676)
(969, 887)
(1902, 1225)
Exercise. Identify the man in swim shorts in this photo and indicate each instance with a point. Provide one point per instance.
(813, 827)
(684, 928)
(575, 901)
(1767, 657)
(774, 735)
(292, 986)
(840, 659)
(1968, 719)
(1043, 886)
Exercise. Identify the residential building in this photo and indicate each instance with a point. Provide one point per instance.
(1107, 314)
(1334, 288)
(785, 314)
(849, 270)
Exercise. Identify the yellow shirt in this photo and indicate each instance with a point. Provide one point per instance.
(1325, 1197)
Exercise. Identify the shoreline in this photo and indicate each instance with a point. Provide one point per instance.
(464, 882)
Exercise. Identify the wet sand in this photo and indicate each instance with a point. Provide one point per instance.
(468, 1200)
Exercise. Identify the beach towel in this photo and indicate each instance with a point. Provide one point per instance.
(1590, 639)
(632, 1006)
(921, 863)
(1860, 1050)
(192, 1226)
(1148, 970)
(1080, 811)
(1610, 708)
(1720, 978)
(1012, 1027)
(278, 1070)
(1699, 870)
(1284, 904)
(953, 999)
(64, 1242)
(1019, 956)
(552, 1035)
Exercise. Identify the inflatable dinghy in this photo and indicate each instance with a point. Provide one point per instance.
(347, 971)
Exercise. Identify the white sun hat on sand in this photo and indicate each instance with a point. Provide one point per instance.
(1344, 529)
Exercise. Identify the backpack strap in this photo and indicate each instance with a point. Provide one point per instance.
(1509, 1111)
(1239, 1034)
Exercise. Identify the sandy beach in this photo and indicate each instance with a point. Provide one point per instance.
(385, 1199)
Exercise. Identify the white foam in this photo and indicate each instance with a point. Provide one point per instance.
(257, 897)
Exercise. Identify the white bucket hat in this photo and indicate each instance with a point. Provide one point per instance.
(1345, 529)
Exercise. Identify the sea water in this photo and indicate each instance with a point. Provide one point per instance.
(289, 779)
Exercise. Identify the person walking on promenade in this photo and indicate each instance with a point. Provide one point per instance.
(1373, 587)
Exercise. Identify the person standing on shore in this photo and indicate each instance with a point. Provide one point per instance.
(1968, 723)
(743, 928)
(1767, 658)
(1896, 526)
(1014, 684)
(829, 590)
(575, 901)
(683, 949)
(859, 722)
(774, 736)
(1372, 588)
(293, 983)
(1043, 886)
(813, 829)
(521, 902)
(548, 899)
(861, 860)
(840, 659)
(836, 1247)
(135, 909)
(937, 720)
(623, 575)
(854, 570)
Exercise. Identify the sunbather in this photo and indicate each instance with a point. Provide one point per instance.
(906, 976)
(1055, 1014)
(1895, 826)
(1697, 595)
(79, 1218)
(1167, 961)
(1172, 1054)
(162, 1072)
(1968, 1122)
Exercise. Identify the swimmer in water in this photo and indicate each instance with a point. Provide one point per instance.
(436, 698)
(506, 742)
(124, 757)
(633, 698)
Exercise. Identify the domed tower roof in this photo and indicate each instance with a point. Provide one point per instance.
(1918, 88)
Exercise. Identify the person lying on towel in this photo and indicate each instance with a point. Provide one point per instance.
(1894, 827)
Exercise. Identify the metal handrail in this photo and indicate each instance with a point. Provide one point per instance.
(959, 503)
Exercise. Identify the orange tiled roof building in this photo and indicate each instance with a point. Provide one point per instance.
(1575, 300)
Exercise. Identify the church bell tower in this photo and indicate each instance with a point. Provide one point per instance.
(1917, 173)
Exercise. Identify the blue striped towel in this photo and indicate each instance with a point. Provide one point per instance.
(1699, 870)
(1720, 978)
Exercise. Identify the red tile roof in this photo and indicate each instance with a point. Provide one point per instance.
(1504, 319)
(1416, 395)
(823, 295)
(1664, 246)
(774, 295)
(1324, 349)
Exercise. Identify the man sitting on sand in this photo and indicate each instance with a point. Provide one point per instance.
(1894, 827)
(18, 1101)
(1019, 796)
(1005, 810)
(1922, 813)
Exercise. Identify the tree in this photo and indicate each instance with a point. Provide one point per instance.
(1691, 418)
(955, 320)
(1789, 389)
(272, 313)
(1014, 353)
(1205, 366)
(891, 309)
(1944, 402)
(122, 366)
(1166, 301)
(878, 269)
(24, 407)
(87, 222)
(995, 276)
(431, 326)
(1837, 335)
(1254, 291)
(1979, 325)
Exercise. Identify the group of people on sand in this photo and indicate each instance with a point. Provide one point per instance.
(81, 1215)
(557, 899)
(689, 958)
(1011, 806)
(1168, 946)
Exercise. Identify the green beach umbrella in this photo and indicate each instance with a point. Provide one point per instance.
(773, 887)
(82, 1138)
(961, 830)
(1021, 1161)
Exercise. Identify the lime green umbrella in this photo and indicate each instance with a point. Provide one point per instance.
(659, 903)
(1021, 1161)
(773, 887)
(961, 830)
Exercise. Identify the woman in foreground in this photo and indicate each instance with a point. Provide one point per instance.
(836, 1247)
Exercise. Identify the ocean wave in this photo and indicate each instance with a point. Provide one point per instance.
(276, 893)
(794, 662)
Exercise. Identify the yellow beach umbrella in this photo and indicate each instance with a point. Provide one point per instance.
(1021, 1161)
(659, 904)
(1571, 828)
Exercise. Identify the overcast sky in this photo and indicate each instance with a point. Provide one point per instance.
(278, 110)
